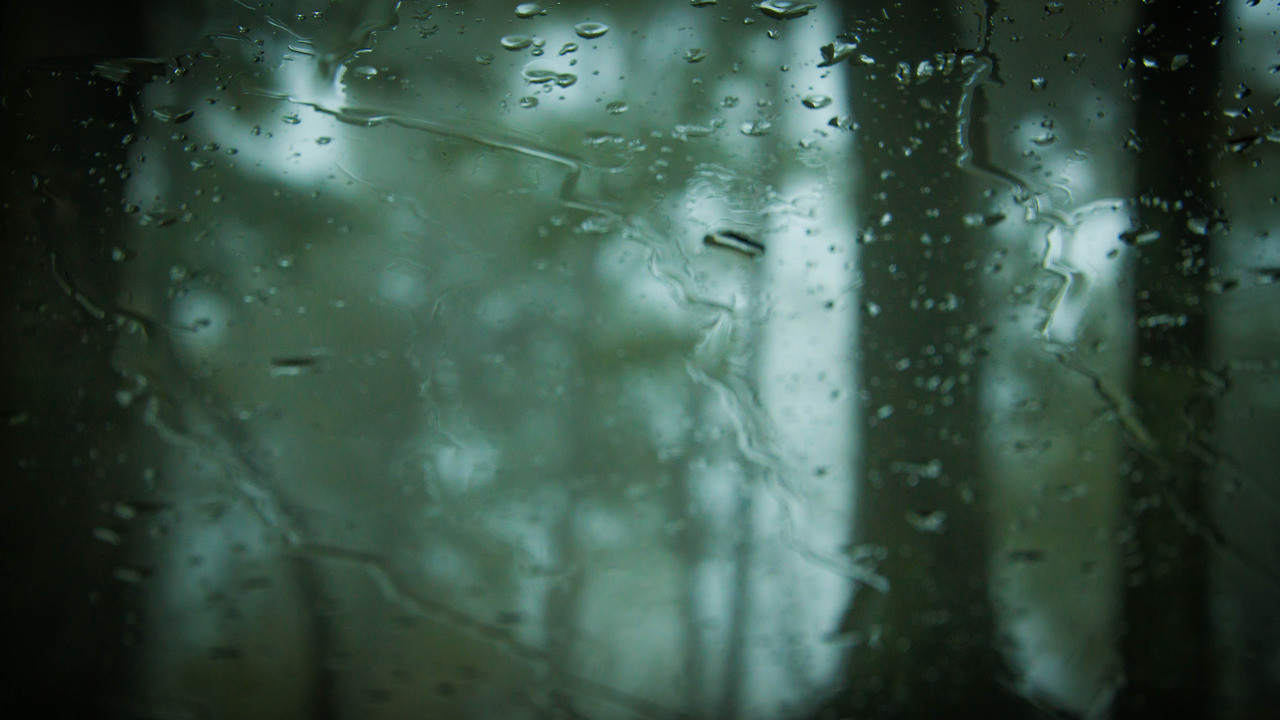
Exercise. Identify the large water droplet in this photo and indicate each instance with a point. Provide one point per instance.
(590, 29)
(530, 9)
(785, 9)
(540, 75)
(516, 42)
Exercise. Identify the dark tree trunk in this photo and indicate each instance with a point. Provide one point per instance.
(1166, 642)
(926, 649)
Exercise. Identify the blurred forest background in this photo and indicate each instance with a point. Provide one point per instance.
(705, 359)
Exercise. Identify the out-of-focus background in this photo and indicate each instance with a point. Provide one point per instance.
(682, 359)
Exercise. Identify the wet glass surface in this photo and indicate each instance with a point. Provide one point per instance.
(688, 359)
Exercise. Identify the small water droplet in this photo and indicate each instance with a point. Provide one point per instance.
(530, 9)
(814, 102)
(568, 48)
(484, 59)
(729, 101)
(590, 29)
(1055, 8)
(528, 101)
(516, 42)
(172, 114)
(1179, 61)
(784, 9)
(702, 3)
(755, 128)
(366, 70)
(566, 79)
(324, 140)
(934, 522)
(1038, 83)
(616, 107)
(694, 55)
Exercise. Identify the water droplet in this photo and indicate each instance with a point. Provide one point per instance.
(1179, 61)
(934, 522)
(755, 128)
(729, 101)
(784, 9)
(590, 29)
(566, 79)
(516, 42)
(540, 75)
(1038, 83)
(568, 48)
(833, 53)
(1055, 8)
(528, 101)
(813, 102)
(702, 3)
(172, 114)
(981, 220)
(366, 70)
(684, 132)
(694, 55)
(616, 107)
(530, 9)
(484, 59)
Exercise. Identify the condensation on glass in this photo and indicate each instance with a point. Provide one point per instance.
(687, 359)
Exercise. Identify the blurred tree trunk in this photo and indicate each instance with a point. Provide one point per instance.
(65, 637)
(1167, 641)
(926, 649)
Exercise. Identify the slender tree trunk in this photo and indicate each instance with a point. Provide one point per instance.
(927, 648)
(1167, 642)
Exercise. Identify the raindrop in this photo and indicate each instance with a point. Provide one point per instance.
(590, 30)
(1055, 8)
(736, 241)
(516, 42)
(1179, 61)
(616, 107)
(833, 53)
(702, 3)
(934, 522)
(695, 55)
(784, 9)
(813, 102)
(171, 114)
(1038, 83)
(981, 220)
(297, 366)
(528, 101)
(484, 59)
(530, 9)
(568, 48)
(566, 79)
(539, 75)
(755, 128)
